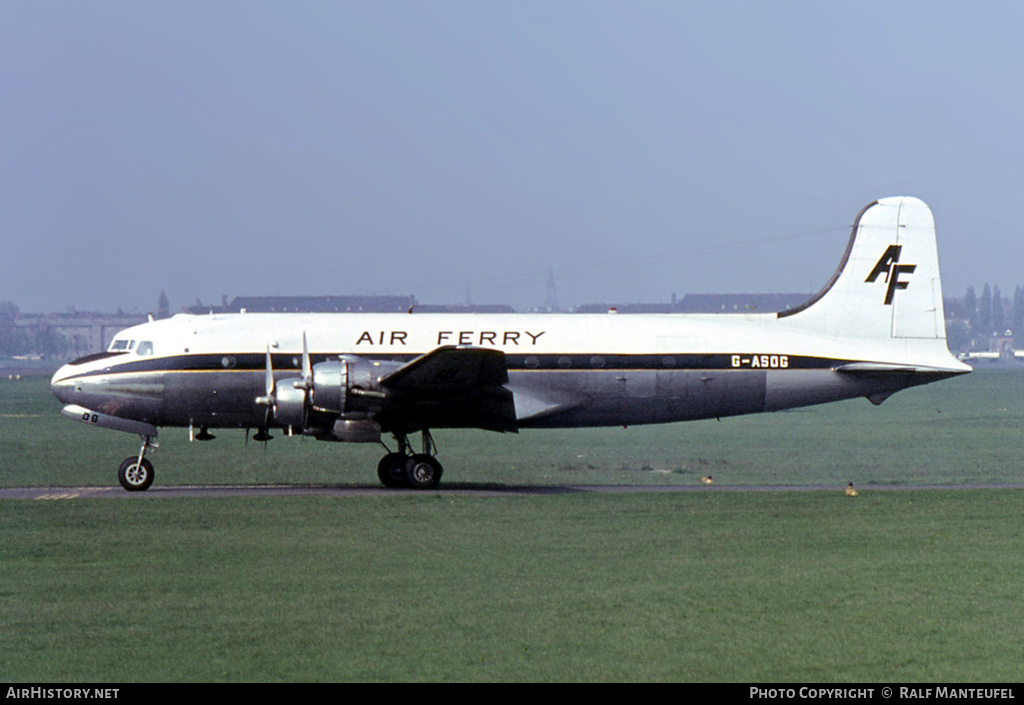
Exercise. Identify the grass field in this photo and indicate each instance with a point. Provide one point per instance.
(965, 430)
(891, 586)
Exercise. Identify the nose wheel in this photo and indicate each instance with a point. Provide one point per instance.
(136, 472)
(419, 471)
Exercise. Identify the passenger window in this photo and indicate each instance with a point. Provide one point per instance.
(145, 347)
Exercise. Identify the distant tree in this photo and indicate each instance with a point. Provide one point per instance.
(985, 312)
(13, 340)
(958, 336)
(971, 310)
(998, 313)
(49, 343)
(1017, 315)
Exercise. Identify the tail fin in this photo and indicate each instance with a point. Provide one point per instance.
(887, 286)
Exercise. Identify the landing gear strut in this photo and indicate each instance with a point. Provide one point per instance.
(136, 473)
(420, 471)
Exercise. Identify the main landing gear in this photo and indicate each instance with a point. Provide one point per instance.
(136, 473)
(420, 471)
(402, 468)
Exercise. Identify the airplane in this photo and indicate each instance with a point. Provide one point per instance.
(877, 327)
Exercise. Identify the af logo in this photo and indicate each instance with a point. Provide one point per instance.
(889, 265)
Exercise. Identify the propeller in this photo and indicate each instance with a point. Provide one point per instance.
(269, 400)
(289, 403)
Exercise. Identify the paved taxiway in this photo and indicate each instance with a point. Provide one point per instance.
(480, 490)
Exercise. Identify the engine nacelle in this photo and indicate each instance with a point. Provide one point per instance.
(355, 431)
(292, 405)
(350, 386)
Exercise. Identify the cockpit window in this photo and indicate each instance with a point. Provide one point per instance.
(145, 347)
(126, 345)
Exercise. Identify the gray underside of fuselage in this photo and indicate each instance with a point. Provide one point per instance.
(543, 398)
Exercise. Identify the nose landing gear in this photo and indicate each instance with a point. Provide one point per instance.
(136, 472)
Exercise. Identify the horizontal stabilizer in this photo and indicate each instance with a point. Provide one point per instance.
(880, 367)
(910, 375)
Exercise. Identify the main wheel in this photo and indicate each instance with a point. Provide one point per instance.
(391, 470)
(423, 472)
(135, 476)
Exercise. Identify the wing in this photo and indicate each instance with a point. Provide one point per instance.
(450, 387)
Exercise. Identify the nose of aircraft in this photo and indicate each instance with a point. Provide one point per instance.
(61, 386)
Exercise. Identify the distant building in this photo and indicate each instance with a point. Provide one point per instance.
(468, 308)
(309, 304)
(551, 295)
(82, 333)
(341, 304)
(708, 303)
(163, 306)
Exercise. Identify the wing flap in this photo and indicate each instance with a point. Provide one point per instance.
(451, 387)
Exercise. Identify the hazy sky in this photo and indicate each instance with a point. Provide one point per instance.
(635, 149)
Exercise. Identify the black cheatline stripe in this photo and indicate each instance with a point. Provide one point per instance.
(251, 362)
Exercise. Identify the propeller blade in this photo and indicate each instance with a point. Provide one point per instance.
(307, 366)
(270, 375)
(268, 400)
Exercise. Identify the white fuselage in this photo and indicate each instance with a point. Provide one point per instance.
(564, 369)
